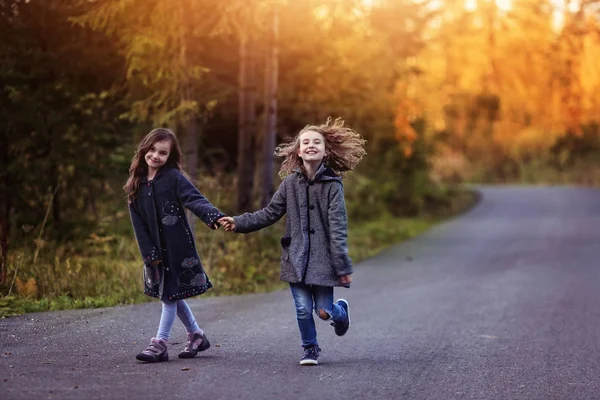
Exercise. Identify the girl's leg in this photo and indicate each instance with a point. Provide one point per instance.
(325, 307)
(303, 300)
(185, 315)
(169, 311)
(157, 349)
(197, 341)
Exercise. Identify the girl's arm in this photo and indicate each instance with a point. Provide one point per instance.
(148, 250)
(250, 222)
(338, 228)
(193, 200)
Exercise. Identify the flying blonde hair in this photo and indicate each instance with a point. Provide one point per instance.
(344, 148)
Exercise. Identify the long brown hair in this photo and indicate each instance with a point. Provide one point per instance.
(139, 167)
(344, 148)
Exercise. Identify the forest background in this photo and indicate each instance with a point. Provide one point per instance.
(446, 92)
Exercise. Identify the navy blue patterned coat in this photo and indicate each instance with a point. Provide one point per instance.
(314, 248)
(163, 233)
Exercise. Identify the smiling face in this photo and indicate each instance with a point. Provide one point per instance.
(157, 155)
(312, 147)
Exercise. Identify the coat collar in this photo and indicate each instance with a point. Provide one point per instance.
(324, 173)
(158, 175)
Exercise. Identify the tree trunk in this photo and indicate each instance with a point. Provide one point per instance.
(56, 209)
(56, 205)
(191, 149)
(491, 82)
(572, 99)
(191, 158)
(246, 125)
(188, 126)
(271, 78)
(4, 206)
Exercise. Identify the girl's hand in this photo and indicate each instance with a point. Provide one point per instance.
(155, 263)
(346, 279)
(228, 223)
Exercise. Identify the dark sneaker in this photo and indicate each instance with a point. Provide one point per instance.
(196, 342)
(342, 327)
(156, 351)
(311, 354)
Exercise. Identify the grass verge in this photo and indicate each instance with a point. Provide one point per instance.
(109, 273)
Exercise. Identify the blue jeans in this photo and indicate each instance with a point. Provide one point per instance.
(312, 297)
(170, 309)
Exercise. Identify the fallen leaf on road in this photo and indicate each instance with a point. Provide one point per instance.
(488, 336)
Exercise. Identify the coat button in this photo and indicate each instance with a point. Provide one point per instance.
(312, 231)
(310, 183)
(312, 207)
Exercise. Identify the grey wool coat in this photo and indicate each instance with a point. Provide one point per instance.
(163, 233)
(314, 247)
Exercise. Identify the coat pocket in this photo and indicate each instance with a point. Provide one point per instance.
(151, 275)
(286, 241)
(285, 248)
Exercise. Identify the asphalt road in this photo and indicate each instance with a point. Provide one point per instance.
(502, 302)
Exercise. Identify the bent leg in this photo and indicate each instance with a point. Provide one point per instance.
(325, 307)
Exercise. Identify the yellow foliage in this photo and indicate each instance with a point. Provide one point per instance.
(449, 167)
(28, 288)
(532, 143)
(406, 111)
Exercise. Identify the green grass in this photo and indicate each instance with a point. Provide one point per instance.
(108, 272)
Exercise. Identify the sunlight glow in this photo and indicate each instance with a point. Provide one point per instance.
(504, 5)
(573, 6)
(470, 5)
(368, 4)
(434, 5)
(558, 19)
(558, 15)
(321, 12)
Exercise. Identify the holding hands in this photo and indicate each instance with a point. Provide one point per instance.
(227, 223)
